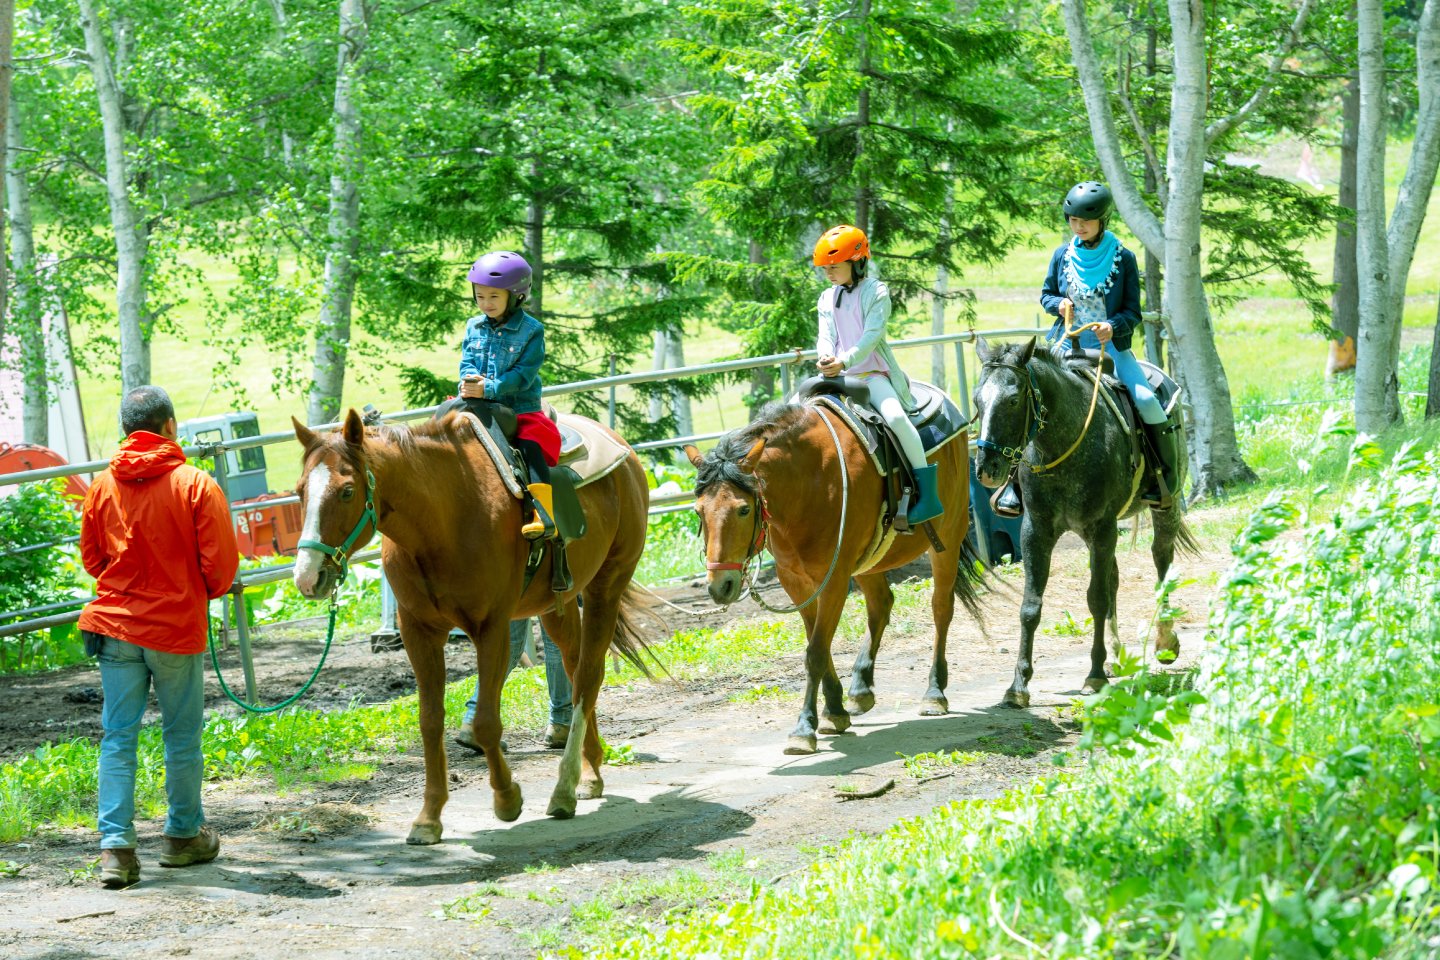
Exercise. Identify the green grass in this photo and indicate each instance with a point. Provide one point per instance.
(759, 694)
(923, 765)
(1293, 815)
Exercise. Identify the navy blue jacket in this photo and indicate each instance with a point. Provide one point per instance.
(1122, 300)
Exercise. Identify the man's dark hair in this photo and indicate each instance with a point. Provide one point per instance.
(145, 408)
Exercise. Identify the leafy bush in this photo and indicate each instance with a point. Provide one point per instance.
(1293, 815)
(38, 513)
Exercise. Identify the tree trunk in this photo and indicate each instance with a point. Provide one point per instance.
(1413, 197)
(862, 123)
(1345, 301)
(1432, 395)
(762, 380)
(679, 400)
(1154, 305)
(7, 76)
(131, 235)
(1376, 400)
(282, 23)
(1216, 451)
(28, 316)
(535, 253)
(662, 357)
(332, 340)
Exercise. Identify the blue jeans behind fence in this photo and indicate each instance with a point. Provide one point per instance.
(126, 673)
(555, 676)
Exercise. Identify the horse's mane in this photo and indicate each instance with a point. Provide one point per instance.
(775, 421)
(1052, 356)
(407, 438)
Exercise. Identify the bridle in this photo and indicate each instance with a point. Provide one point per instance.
(757, 541)
(1034, 412)
(340, 556)
(762, 521)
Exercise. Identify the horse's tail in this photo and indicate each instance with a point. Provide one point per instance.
(629, 642)
(969, 577)
(1185, 539)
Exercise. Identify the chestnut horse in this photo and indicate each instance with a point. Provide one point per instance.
(453, 553)
(781, 478)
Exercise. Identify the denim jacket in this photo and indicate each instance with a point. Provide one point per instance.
(508, 355)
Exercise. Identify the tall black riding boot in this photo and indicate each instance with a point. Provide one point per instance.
(1163, 439)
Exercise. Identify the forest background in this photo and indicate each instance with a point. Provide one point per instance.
(271, 206)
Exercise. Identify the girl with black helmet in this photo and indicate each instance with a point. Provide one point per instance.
(1093, 278)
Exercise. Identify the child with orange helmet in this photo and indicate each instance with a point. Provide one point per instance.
(853, 313)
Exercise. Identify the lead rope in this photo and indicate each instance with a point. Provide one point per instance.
(1094, 395)
(250, 707)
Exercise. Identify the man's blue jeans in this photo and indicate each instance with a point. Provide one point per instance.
(126, 672)
(555, 676)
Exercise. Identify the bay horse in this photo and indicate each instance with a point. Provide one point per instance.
(454, 555)
(1032, 408)
(780, 479)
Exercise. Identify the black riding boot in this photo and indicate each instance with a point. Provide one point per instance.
(1005, 501)
(1165, 453)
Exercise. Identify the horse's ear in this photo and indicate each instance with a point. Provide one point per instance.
(1027, 351)
(304, 434)
(751, 459)
(693, 452)
(354, 429)
(983, 350)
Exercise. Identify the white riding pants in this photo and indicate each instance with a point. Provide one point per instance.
(887, 403)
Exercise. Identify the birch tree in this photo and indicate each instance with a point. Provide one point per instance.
(132, 237)
(1384, 255)
(332, 337)
(1174, 236)
(26, 306)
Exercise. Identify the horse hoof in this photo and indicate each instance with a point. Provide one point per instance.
(1093, 685)
(799, 746)
(1167, 645)
(561, 808)
(424, 834)
(835, 723)
(935, 707)
(861, 704)
(592, 789)
(1020, 699)
(508, 803)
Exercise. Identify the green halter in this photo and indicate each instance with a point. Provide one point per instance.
(340, 555)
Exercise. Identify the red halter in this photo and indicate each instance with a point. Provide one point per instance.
(762, 522)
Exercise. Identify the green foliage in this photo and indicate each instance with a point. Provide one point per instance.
(923, 765)
(34, 514)
(1294, 814)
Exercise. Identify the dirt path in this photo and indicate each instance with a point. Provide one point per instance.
(327, 872)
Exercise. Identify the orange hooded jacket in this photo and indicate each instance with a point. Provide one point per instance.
(156, 535)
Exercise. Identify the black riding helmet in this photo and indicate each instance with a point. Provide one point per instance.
(1090, 200)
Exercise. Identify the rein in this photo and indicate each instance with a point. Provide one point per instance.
(1035, 412)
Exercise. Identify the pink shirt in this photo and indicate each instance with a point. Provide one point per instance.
(849, 326)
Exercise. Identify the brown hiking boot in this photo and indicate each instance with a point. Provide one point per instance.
(463, 737)
(557, 735)
(119, 867)
(187, 851)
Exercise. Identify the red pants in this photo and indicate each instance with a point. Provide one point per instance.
(540, 430)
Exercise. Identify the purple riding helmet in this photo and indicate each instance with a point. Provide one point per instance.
(505, 270)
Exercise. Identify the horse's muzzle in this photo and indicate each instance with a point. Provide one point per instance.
(314, 578)
(725, 586)
(988, 475)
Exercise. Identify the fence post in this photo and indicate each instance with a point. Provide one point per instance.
(784, 381)
(388, 636)
(242, 627)
(612, 393)
(962, 382)
(222, 481)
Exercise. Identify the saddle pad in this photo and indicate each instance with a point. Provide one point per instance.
(942, 427)
(598, 453)
(1167, 391)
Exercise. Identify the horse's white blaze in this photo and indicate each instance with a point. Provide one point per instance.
(308, 560)
(989, 399)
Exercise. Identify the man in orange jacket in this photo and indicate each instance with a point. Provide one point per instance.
(156, 535)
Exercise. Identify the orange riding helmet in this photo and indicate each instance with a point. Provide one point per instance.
(839, 244)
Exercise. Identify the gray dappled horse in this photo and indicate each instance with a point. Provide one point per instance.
(1032, 408)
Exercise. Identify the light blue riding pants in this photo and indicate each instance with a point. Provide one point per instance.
(887, 403)
(1129, 372)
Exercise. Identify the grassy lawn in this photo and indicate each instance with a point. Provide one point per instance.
(1265, 339)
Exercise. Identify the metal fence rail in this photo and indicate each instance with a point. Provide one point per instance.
(667, 503)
